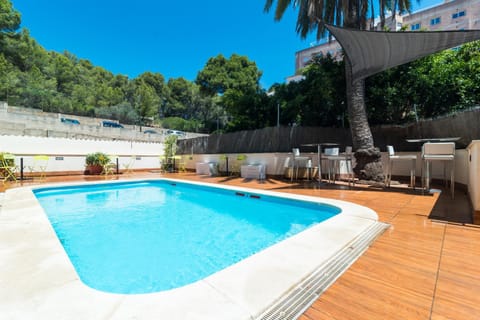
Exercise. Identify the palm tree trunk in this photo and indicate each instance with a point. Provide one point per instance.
(368, 158)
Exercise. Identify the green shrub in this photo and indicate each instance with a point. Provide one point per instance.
(97, 159)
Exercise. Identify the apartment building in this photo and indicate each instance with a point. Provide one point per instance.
(450, 15)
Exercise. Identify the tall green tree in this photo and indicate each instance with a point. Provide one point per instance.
(235, 83)
(236, 73)
(9, 17)
(312, 14)
(146, 101)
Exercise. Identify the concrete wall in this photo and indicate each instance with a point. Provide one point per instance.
(69, 154)
(33, 122)
(474, 178)
(275, 163)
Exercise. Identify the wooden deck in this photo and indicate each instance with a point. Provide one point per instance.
(418, 269)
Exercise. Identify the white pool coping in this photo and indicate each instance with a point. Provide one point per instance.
(38, 281)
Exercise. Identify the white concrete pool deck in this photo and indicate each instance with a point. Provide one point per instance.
(38, 281)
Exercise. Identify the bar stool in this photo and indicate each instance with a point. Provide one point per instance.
(297, 160)
(309, 167)
(392, 157)
(331, 155)
(334, 163)
(438, 151)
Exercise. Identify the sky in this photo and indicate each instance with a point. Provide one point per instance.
(174, 38)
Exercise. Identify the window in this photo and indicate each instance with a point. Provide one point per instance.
(435, 21)
(415, 26)
(458, 14)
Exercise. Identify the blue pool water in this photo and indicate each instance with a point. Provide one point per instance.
(142, 237)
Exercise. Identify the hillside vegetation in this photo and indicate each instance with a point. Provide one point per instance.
(226, 95)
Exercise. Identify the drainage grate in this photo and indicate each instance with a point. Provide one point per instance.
(305, 293)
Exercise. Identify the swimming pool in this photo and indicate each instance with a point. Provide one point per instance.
(38, 280)
(142, 237)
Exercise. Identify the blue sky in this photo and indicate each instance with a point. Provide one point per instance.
(174, 38)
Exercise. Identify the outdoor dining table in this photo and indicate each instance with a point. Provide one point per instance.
(451, 139)
(319, 146)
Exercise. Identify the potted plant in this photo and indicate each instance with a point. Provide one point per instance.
(95, 162)
(169, 151)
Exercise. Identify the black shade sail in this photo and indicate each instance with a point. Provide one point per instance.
(370, 52)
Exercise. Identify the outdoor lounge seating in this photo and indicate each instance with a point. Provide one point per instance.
(253, 171)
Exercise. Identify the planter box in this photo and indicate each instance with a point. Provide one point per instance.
(94, 169)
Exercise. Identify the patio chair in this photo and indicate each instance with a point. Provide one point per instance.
(335, 159)
(8, 167)
(392, 157)
(298, 161)
(438, 151)
(39, 165)
(128, 167)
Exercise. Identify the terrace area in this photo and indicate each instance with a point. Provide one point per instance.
(420, 268)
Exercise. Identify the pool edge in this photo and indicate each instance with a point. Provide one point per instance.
(239, 304)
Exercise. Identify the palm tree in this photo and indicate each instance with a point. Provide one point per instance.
(312, 16)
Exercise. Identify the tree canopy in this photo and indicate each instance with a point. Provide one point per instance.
(226, 95)
(9, 18)
(33, 77)
(236, 73)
